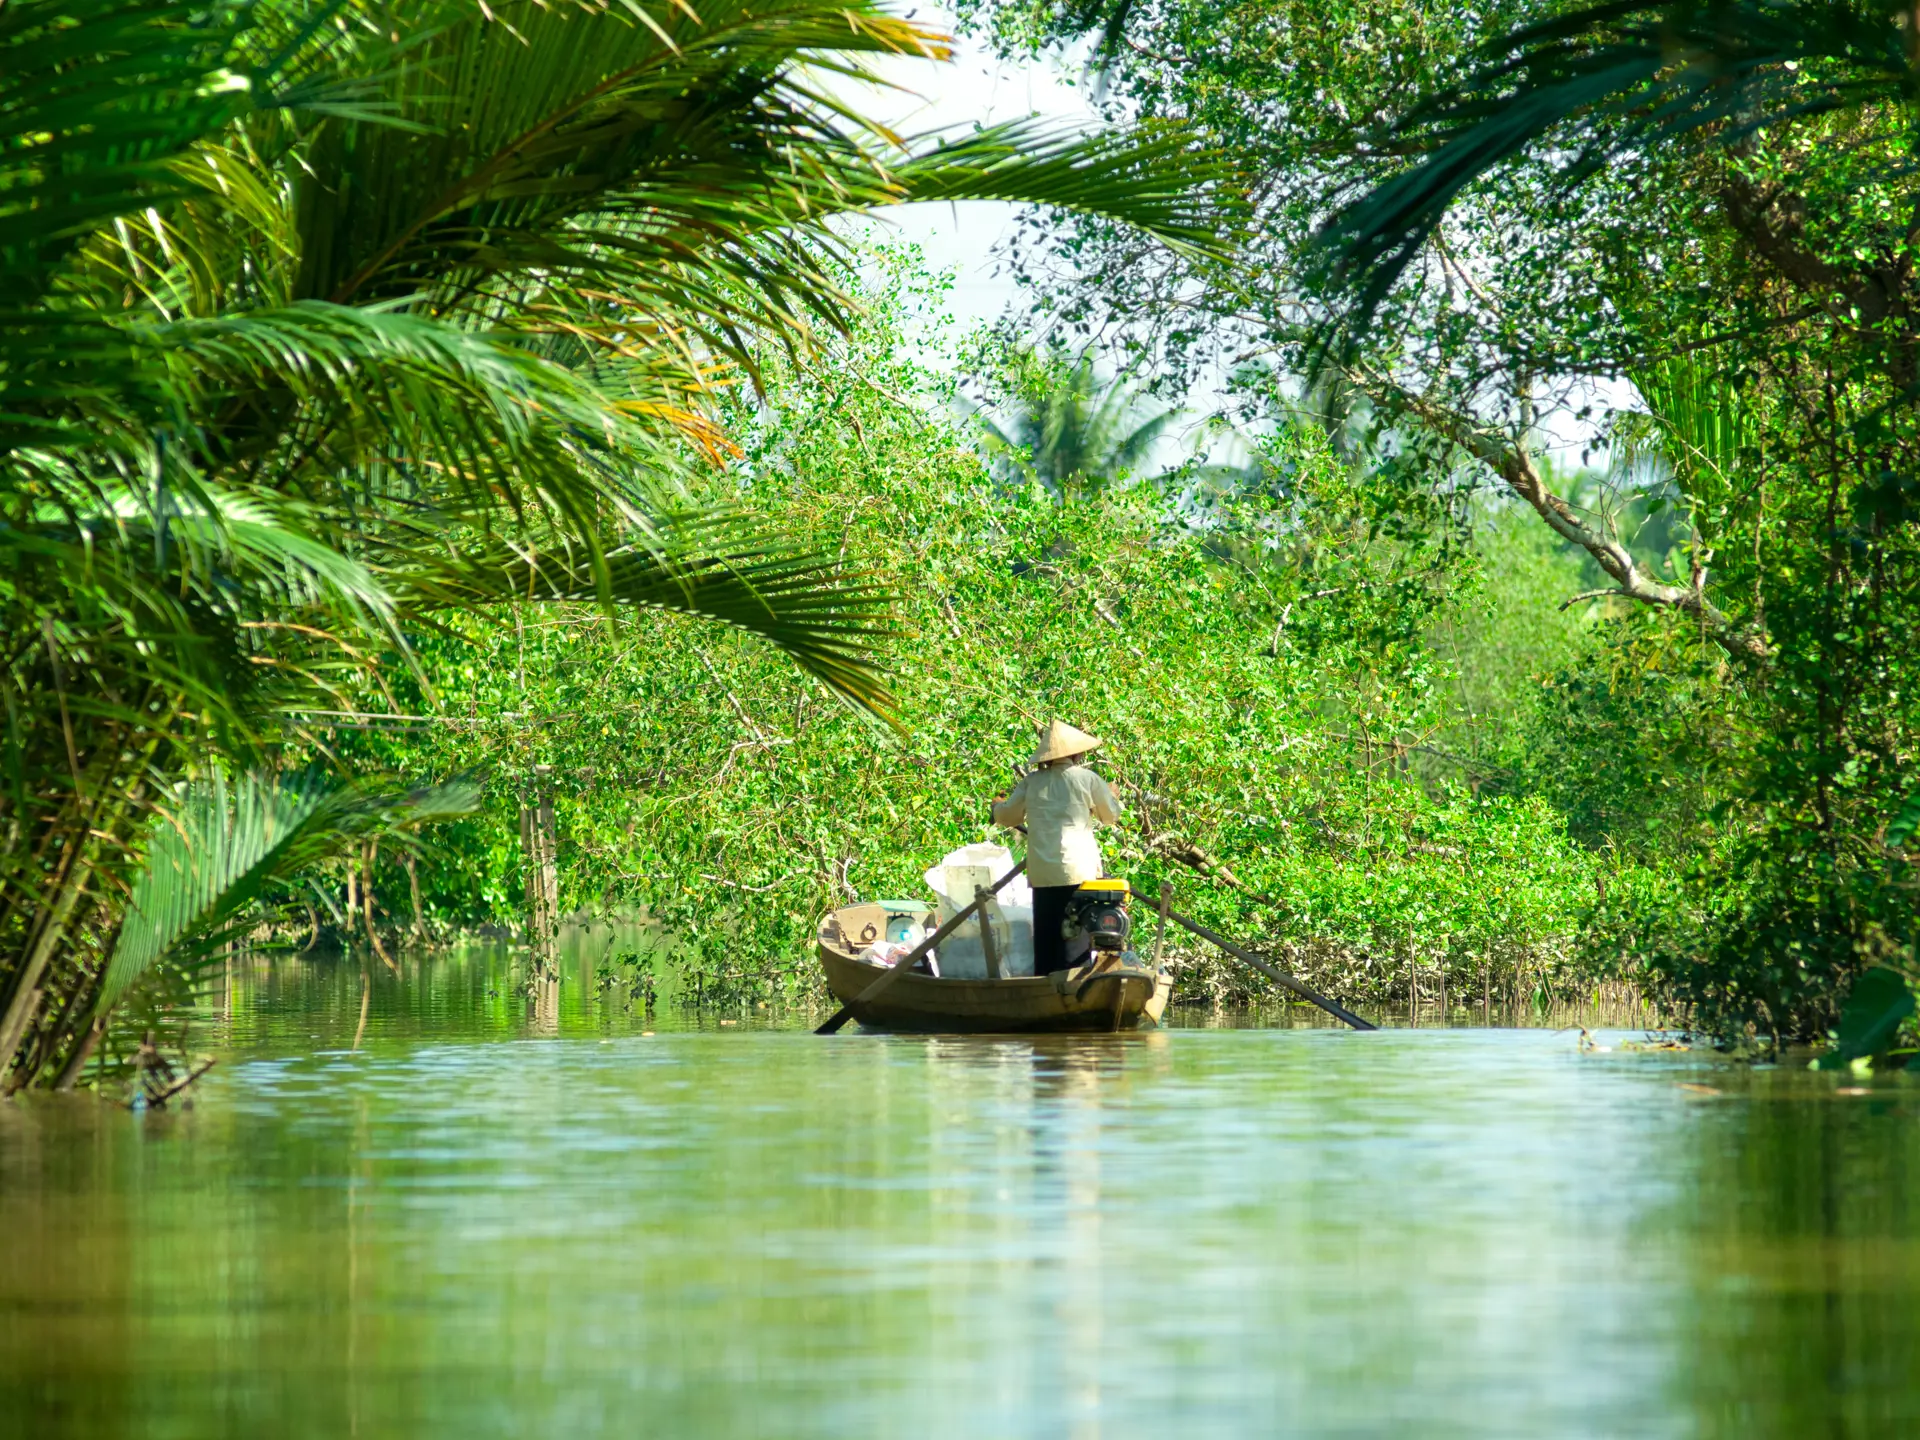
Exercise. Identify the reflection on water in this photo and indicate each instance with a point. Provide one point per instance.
(478, 1224)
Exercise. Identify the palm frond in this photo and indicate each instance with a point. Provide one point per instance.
(1159, 183)
(1069, 426)
(717, 565)
(97, 98)
(672, 160)
(1130, 449)
(214, 536)
(212, 857)
(1610, 79)
(496, 424)
(1701, 419)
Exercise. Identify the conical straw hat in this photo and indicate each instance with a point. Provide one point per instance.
(1063, 740)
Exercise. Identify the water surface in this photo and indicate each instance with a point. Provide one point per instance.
(481, 1223)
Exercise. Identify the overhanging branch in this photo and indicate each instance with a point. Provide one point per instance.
(1508, 458)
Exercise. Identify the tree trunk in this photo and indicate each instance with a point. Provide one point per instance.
(367, 858)
(539, 844)
(413, 886)
(50, 930)
(82, 1052)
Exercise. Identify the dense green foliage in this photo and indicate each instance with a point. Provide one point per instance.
(384, 393)
(1534, 208)
(1258, 676)
(321, 324)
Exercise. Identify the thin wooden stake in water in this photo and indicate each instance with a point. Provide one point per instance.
(539, 845)
(413, 888)
(1160, 940)
(367, 857)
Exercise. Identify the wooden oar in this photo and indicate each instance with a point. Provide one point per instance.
(905, 962)
(1247, 957)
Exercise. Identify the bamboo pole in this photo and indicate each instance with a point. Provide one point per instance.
(1279, 977)
(987, 946)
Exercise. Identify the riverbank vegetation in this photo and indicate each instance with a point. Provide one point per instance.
(1263, 662)
(324, 324)
(1681, 234)
(1538, 610)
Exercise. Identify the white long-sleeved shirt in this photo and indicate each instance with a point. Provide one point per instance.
(1060, 807)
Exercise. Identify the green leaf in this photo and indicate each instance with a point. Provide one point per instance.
(1880, 1001)
(1905, 821)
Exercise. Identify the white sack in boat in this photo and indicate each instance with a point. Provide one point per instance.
(1010, 912)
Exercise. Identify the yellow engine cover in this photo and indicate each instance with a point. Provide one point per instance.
(1117, 889)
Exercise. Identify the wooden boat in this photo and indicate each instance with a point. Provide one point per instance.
(1103, 995)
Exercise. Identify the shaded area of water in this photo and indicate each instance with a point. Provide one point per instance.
(485, 1224)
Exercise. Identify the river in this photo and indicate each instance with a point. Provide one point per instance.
(596, 1220)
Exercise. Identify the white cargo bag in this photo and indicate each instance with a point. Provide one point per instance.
(1009, 913)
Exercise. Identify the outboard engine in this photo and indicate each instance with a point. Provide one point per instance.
(1098, 910)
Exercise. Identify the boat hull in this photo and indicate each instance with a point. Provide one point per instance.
(1103, 996)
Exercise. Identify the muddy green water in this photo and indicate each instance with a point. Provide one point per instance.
(485, 1223)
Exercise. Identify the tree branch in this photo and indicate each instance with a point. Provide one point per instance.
(1508, 458)
(1600, 594)
(1773, 222)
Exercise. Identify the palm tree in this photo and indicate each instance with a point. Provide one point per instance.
(1070, 432)
(321, 318)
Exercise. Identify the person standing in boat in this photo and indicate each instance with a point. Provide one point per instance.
(1060, 802)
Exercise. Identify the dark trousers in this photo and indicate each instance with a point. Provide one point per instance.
(1049, 914)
